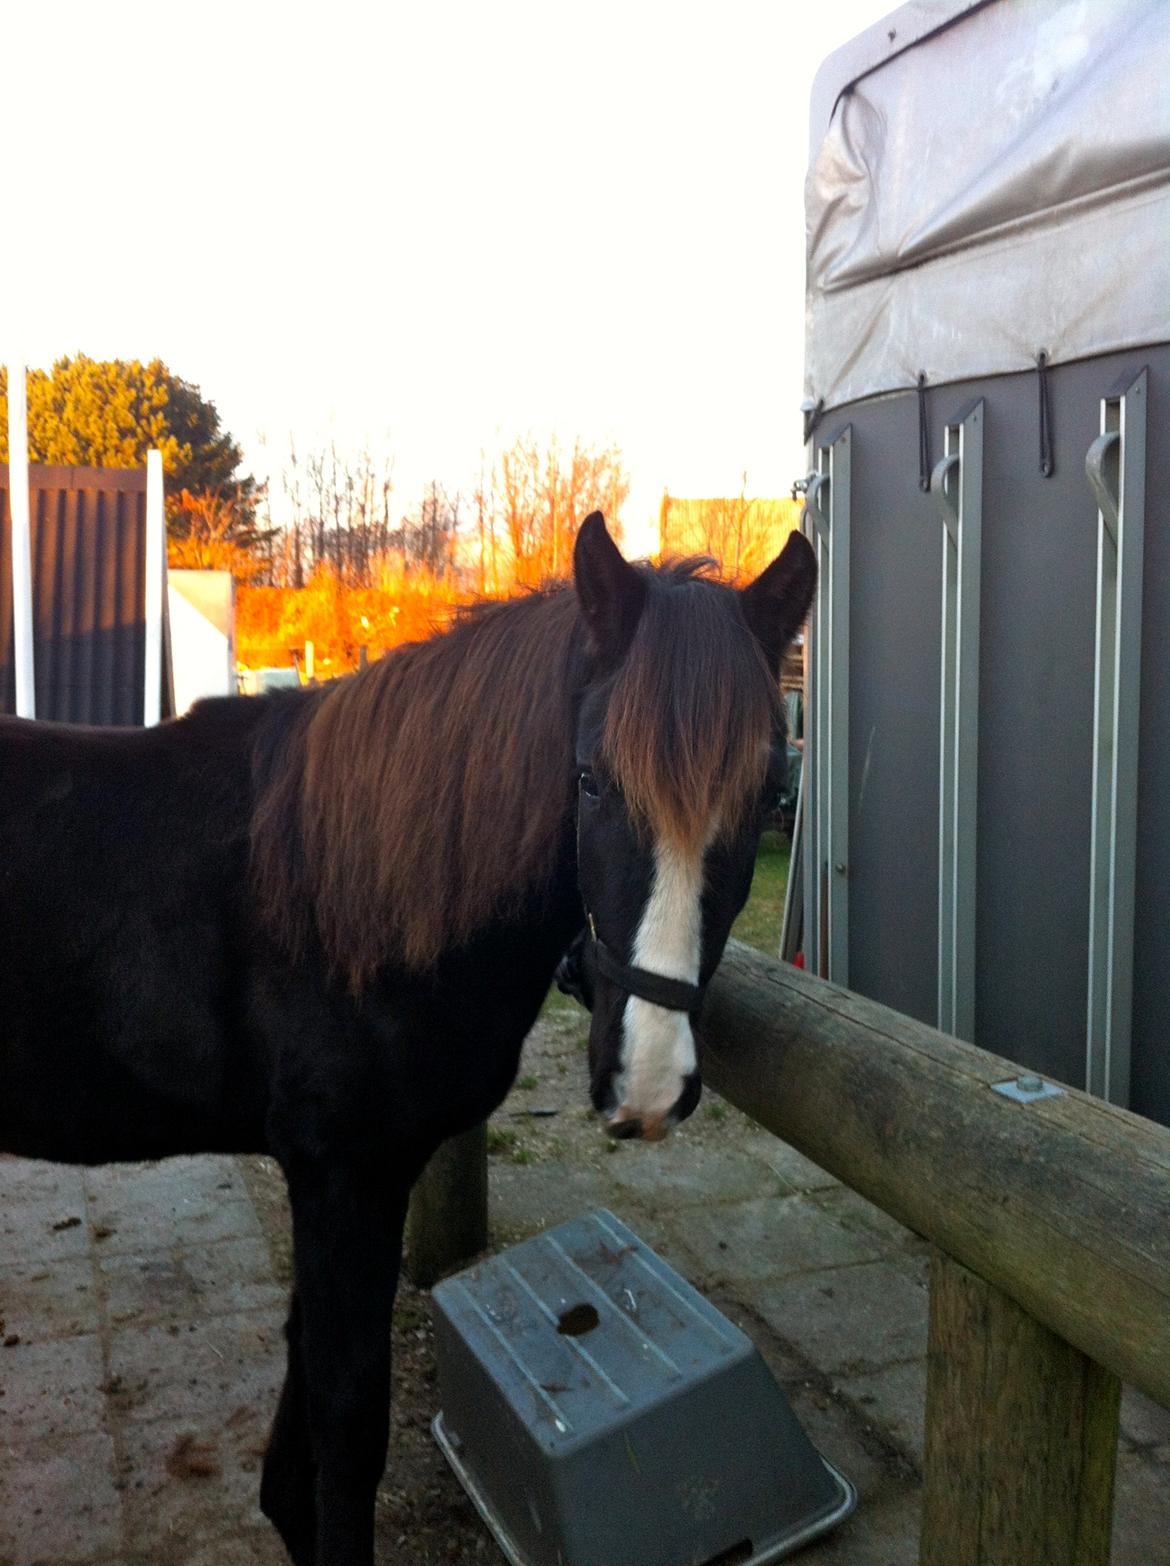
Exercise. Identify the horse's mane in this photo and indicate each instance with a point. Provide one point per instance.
(402, 809)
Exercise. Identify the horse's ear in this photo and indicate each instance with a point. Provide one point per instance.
(776, 603)
(610, 591)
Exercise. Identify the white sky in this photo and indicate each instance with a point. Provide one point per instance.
(430, 225)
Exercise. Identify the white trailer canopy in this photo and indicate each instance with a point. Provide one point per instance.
(960, 234)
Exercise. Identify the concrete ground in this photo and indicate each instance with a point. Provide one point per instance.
(141, 1345)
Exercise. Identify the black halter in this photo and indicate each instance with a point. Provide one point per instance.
(670, 994)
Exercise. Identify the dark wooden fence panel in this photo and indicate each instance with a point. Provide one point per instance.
(88, 528)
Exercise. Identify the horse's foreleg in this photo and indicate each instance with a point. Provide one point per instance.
(347, 1239)
(288, 1484)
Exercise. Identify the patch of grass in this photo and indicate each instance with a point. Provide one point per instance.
(716, 1112)
(759, 923)
(507, 1144)
(557, 1003)
(526, 1084)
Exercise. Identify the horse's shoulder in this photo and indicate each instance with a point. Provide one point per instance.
(37, 761)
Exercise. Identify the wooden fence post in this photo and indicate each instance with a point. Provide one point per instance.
(448, 1218)
(1021, 1435)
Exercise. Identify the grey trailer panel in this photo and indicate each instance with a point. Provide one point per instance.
(1035, 734)
(894, 714)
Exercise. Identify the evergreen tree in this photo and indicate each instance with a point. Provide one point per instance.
(110, 413)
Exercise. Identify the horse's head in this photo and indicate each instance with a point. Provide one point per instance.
(680, 749)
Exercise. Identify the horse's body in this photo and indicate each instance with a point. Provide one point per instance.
(221, 935)
(146, 1010)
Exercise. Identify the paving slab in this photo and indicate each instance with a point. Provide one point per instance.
(140, 1358)
(59, 1501)
(797, 1171)
(893, 1400)
(138, 1208)
(851, 1321)
(197, 1368)
(45, 1301)
(685, 1175)
(191, 1473)
(1144, 1423)
(54, 1389)
(186, 1281)
(770, 1237)
(1141, 1512)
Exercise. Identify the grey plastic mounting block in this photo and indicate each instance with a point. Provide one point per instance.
(600, 1412)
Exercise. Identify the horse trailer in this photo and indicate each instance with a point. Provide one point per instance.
(988, 418)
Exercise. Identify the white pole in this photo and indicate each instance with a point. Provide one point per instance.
(18, 511)
(156, 567)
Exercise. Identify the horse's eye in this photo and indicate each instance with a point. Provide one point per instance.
(588, 783)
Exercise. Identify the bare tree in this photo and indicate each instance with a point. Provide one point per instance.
(541, 495)
(741, 532)
(340, 514)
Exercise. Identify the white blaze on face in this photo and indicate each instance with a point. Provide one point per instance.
(658, 1047)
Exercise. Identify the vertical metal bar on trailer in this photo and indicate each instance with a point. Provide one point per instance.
(790, 924)
(826, 826)
(810, 916)
(18, 516)
(957, 482)
(1116, 468)
(156, 576)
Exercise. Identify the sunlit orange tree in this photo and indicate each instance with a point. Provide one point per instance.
(216, 532)
(539, 494)
(345, 575)
(741, 532)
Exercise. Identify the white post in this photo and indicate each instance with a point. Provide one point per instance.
(18, 511)
(156, 569)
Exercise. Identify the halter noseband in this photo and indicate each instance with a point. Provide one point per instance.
(673, 994)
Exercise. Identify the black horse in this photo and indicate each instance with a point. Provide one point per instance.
(319, 925)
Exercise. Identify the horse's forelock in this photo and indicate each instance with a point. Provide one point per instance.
(691, 714)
